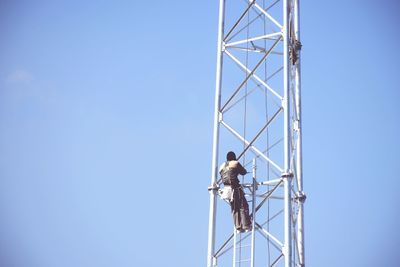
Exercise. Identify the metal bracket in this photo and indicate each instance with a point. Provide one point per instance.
(287, 175)
(220, 116)
(297, 45)
(300, 196)
(213, 187)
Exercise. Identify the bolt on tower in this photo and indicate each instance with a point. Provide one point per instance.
(258, 115)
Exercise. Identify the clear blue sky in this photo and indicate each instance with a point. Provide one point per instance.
(106, 123)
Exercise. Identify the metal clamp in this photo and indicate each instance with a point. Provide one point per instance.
(297, 45)
(220, 116)
(287, 175)
(213, 187)
(300, 196)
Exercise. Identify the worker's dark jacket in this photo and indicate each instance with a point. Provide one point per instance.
(229, 173)
(240, 209)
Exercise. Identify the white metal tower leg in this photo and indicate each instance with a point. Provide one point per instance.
(286, 138)
(299, 162)
(213, 205)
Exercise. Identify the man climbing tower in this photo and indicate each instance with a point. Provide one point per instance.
(229, 171)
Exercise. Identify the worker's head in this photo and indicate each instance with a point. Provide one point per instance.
(230, 156)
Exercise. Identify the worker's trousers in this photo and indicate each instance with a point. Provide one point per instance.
(240, 210)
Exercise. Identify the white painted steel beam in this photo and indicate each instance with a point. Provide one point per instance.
(211, 261)
(287, 251)
(266, 36)
(299, 160)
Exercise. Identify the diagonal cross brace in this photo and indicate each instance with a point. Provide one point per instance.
(250, 74)
(251, 22)
(254, 76)
(268, 15)
(251, 3)
(252, 147)
(260, 132)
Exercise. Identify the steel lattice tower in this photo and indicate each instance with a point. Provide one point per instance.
(258, 115)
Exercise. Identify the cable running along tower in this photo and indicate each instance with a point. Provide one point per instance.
(258, 115)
